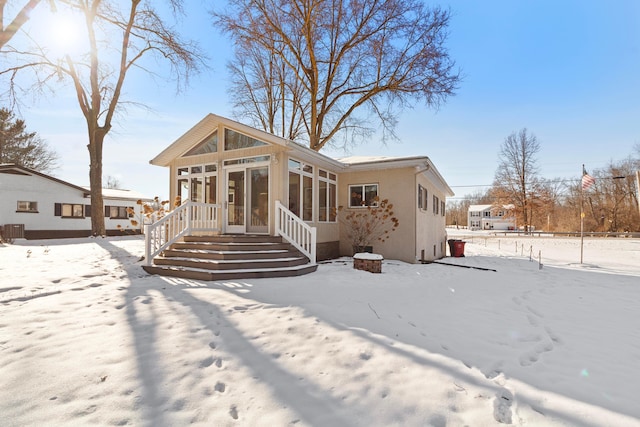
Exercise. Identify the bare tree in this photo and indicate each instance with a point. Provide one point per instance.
(329, 67)
(7, 32)
(23, 148)
(611, 203)
(516, 179)
(120, 36)
(113, 183)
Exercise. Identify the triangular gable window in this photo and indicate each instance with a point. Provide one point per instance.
(209, 145)
(236, 141)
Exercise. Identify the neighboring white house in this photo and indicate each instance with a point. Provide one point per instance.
(491, 217)
(38, 206)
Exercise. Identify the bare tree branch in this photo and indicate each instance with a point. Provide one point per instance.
(348, 63)
(134, 33)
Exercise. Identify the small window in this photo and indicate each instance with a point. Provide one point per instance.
(442, 208)
(436, 205)
(247, 160)
(363, 195)
(68, 210)
(422, 197)
(118, 212)
(27, 206)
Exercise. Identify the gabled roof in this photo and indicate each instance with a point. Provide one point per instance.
(107, 193)
(14, 169)
(203, 129)
(211, 122)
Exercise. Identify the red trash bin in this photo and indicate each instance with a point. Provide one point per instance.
(458, 248)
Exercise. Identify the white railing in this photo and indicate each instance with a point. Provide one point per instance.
(296, 231)
(183, 220)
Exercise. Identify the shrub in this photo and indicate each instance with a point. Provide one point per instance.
(367, 225)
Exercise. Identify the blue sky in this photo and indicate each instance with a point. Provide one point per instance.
(568, 71)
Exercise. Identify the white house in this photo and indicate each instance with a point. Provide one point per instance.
(491, 217)
(39, 206)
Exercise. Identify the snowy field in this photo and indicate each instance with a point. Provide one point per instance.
(88, 338)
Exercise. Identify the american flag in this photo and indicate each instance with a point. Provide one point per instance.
(587, 180)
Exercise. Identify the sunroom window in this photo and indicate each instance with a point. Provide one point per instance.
(301, 189)
(209, 145)
(327, 196)
(197, 183)
(236, 141)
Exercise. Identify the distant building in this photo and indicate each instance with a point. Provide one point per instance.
(491, 217)
(39, 206)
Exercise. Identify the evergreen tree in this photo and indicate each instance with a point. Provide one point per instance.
(23, 148)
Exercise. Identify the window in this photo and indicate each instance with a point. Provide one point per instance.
(422, 197)
(236, 141)
(327, 196)
(197, 183)
(247, 160)
(442, 208)
(475, 223)
(486, 214)
(68, 210)
(301, 189)
(363, 195)
(475, 213)
(196, 189)
(436, 205)
(209, 145)
(210, 188)
(116, 212)
(27, 207)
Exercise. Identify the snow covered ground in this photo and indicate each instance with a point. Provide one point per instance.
(88, 338)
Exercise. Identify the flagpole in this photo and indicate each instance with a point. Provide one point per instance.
(581, 217)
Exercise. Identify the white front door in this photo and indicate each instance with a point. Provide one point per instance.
(247, 200)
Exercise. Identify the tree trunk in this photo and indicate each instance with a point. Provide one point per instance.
(96, 140)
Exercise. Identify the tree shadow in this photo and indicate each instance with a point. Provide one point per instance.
(313, 405)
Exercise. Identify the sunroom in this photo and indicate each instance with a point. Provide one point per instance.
(242, 181)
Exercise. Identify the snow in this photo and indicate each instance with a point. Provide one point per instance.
(88, 338)
(368, 256)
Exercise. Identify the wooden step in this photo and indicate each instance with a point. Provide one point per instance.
(247, 263)
(231, 246)
(213, 275)
(227, 257)
(235, 238)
